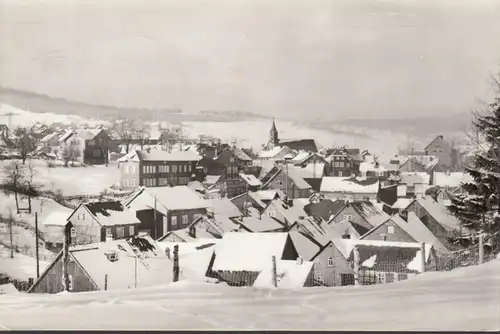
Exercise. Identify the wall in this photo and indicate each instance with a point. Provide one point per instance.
(442, 149)
(356, 196)
(285, 184)
(114, 231)
(129, 174)
(179, 213)
(96, 150)
(181, 176)
(51, 281)
(331, 275)
(146, 217)
(87, 228)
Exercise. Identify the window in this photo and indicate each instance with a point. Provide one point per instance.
(144, 169)
(319, 276)
(184, 220)
(132, 182)
(78, 217)
(390, 229)
(185, 168)
(190, 168)
(331, 262)
(154, 169)
(167, 168)
(348, 217)
(83, 216)
(132, 169)
(109, 232)
(272, 213)
(73, 232)
(380, 278)
(120, 232)
(131, 230)
(70, 279)
(165, 225)
(174, 168)
(174, 221)
(125, 183)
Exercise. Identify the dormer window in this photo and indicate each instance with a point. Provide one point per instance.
(112, 256)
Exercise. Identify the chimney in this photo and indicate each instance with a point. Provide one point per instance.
(300, 261)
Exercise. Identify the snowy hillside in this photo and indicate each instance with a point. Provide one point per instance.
(27, 118)
(464, 299)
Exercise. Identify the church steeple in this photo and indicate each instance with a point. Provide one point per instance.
(273, 136)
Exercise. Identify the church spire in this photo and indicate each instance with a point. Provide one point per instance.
(273, 136)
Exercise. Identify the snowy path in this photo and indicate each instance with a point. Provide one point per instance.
(466, 299)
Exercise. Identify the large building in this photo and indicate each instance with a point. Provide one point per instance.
(308, 145)
(157, 168)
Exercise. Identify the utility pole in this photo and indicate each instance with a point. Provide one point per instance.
(154, 220)
(11, 237)
(176, 263)
(37, 256)
(274, 273)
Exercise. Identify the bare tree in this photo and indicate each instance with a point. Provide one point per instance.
(128, 130)
(14, 180)
(24, 142)
(71, 153)
(30, 188)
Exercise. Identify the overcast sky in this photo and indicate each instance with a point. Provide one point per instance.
(331, 59)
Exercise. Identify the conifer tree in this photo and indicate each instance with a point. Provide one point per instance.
(479, 208)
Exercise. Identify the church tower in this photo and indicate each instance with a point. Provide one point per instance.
(273, 136)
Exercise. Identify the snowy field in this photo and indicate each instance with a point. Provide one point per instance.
(256, 133)
(72, 180)
(465, 299)
(20, 267)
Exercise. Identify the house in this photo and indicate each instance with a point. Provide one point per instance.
(92, 145)
(51, 142)
(451, 181)
(436, 218)
(156, 168)
(417, 163)
(341, 163)
(394, 198)
(240, 257)
(331, 267)
(229, 187)
(387, 262)
(164, 209)
(251, 182)
(308, 145)
(53, 229)
(393, 229)
(284, 211)
(135, 262)
(440, 148)
(256, 199)
(210, 227)
(312, 173)
(349, 229)
(349, 188)
(363, 213)
(287, 180)
(101, 221)
(377, 170)
(277, 153)
(324, 208)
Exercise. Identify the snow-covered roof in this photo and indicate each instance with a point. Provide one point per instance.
(309, 171)
(402, 203)
(270, 153)
(66, 135)
(451, 179)
(241, 155)
(48, 137)
(292, 213)
(59, 218)
(211, 179)
(417, 229)
(301, 156)
(306, 247)
(178, 197)
(369, 212)
(411, 178)
(348, 185)
(290, 275)
(439, 212)
(7, 289)
(297, 179)
(224, 207)
(112, 213)
(182, 234)
(248, 251)
(371, 167)
(262, 224)
(130, 156)
(159, 155)
(251, 180)
(153, 267)
(355, 230)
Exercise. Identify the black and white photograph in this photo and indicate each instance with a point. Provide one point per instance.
(257, 165)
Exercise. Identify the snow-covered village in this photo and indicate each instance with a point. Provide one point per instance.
(136, 219)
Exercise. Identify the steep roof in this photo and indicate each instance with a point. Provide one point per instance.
(291, 275)
(248, 251)
(178, 198)
(417, 229)
(59, 218)
(324, 209)
(241, 155)
(439, 212)
(369, 212)
(309, 171)
(396, 219)
(112, 213)
(251, 180)
(349, 226)
(306, 246)
(262, 224)
(434, 140)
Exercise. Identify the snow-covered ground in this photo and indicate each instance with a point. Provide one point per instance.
(464, 299)
(20, 267)
(72, 180)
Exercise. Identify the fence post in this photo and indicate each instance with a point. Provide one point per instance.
(275, 278)
(357, 280)
(481, 248)
(105, 282)
(422, 251)
(176, 263)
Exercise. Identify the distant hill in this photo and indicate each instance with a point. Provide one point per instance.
(41, 103)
